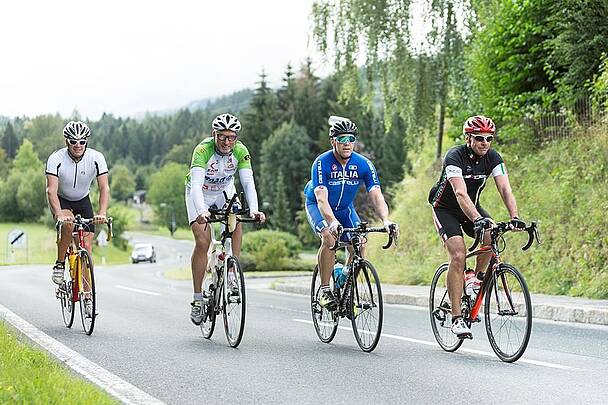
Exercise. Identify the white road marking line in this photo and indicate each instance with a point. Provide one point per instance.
(114, 385)
(428, 343)
(122, 287)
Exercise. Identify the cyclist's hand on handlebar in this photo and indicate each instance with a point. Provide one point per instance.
(203, 217)
(99, 219)
(482, 223)
(333, 227)
(517, 224)
(392, 228)
(259, 215)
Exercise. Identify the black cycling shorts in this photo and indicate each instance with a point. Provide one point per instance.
(449, 222)
(82, 207)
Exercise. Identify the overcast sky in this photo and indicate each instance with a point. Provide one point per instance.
(126, 56)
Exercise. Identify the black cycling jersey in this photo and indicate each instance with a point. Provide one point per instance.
(461, 161)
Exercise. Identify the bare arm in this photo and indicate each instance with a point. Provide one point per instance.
(504, 189)
(323, 202)
(52, 185)
(379, 204)
(104, 194)
(464, 201)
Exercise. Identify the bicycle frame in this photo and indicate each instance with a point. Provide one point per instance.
(493, 266)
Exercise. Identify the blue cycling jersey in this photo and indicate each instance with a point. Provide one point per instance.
(341, 181)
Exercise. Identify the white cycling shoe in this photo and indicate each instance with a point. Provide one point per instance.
(460, 329)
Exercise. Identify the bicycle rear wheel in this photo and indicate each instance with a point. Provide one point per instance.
(508, 313)
(66, 299)
(365, 306)
(234, 302)
(440, 310)
(86, 292)
(208, 324)
(326, 322)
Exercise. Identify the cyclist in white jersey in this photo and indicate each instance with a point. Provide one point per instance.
(69, 174)
(215, 161)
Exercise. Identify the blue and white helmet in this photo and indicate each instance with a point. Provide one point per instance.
(226, 122)
(76, 130)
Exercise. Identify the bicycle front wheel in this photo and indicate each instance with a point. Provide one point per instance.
(508, 313)
(234, 302)
(86, 280)
(208, 324)
(440, 310)
(326, 322)
(66, 299)
(365, 306)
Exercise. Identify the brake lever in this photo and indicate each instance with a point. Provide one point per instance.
(392, 238)
(478, 235)
(335, 246)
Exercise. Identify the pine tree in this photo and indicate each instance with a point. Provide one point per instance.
(10, 144)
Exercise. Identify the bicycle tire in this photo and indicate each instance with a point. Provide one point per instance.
(440, 313)
(234, 307)
(66, 301)
(325, 322)
(365, 299)
(87, 292)
(208, 325)
(514, 297)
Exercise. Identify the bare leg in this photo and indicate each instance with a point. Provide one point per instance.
(202, 238)
(66, 236)
(456, 251)
(483, 259)
(237, 238)
(326, 257)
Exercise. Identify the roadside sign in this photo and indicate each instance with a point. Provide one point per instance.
(17, 238)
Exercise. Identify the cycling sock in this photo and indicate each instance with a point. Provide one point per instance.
(198, 296)
(325, 288)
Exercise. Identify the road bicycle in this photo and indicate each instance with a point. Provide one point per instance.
(224, 285)
(79, 285)
(503, 293)
(359, 299)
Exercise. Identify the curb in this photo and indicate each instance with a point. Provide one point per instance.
(553, 312)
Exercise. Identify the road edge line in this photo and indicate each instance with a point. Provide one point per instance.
(111, 383)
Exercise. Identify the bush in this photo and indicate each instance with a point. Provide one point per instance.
(270, 250)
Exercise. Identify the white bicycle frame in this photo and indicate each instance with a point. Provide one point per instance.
(226, 248)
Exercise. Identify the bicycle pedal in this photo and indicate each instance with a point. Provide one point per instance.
(465, 336)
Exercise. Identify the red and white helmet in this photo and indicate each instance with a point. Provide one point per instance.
(477, 124)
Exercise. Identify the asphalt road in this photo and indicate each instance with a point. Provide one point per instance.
(144, 335)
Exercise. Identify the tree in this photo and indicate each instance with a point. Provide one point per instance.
(122, 183)
(46, 134)
(5, 164)
(260, 120)
(9, 143)
(166, 193)
(286, 96)
(285, 154)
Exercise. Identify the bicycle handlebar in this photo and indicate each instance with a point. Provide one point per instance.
(223, 213)
(363, 229)
(78, 220)
(504, 227)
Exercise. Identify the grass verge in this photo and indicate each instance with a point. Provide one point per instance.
(30, 376)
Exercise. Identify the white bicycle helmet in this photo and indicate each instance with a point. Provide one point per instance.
(341, 126)
(226, 122)
(76, 130)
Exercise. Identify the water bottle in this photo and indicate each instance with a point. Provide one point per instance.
(340, 273)
(471, 284)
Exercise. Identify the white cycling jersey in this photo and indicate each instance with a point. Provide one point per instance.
(75, 178)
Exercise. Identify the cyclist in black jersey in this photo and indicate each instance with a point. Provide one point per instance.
(456, 207)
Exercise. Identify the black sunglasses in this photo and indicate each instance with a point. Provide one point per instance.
(480, 138)
(74, 141)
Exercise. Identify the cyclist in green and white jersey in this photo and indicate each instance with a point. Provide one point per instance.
(215, 161)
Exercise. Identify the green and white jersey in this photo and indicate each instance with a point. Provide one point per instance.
(219, 170)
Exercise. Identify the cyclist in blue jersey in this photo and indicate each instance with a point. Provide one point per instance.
(336, 176)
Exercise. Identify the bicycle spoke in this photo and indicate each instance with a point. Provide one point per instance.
(366, 306)
(87, 293)
(325, 322)
(441, 311)
(234, 302)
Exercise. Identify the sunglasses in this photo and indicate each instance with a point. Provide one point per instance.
(346, 139)
(480, 138)
(229, 138)
(80, 142)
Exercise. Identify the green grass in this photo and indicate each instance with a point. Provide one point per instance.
(42, 249)
(29, 376)
(562, 185)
